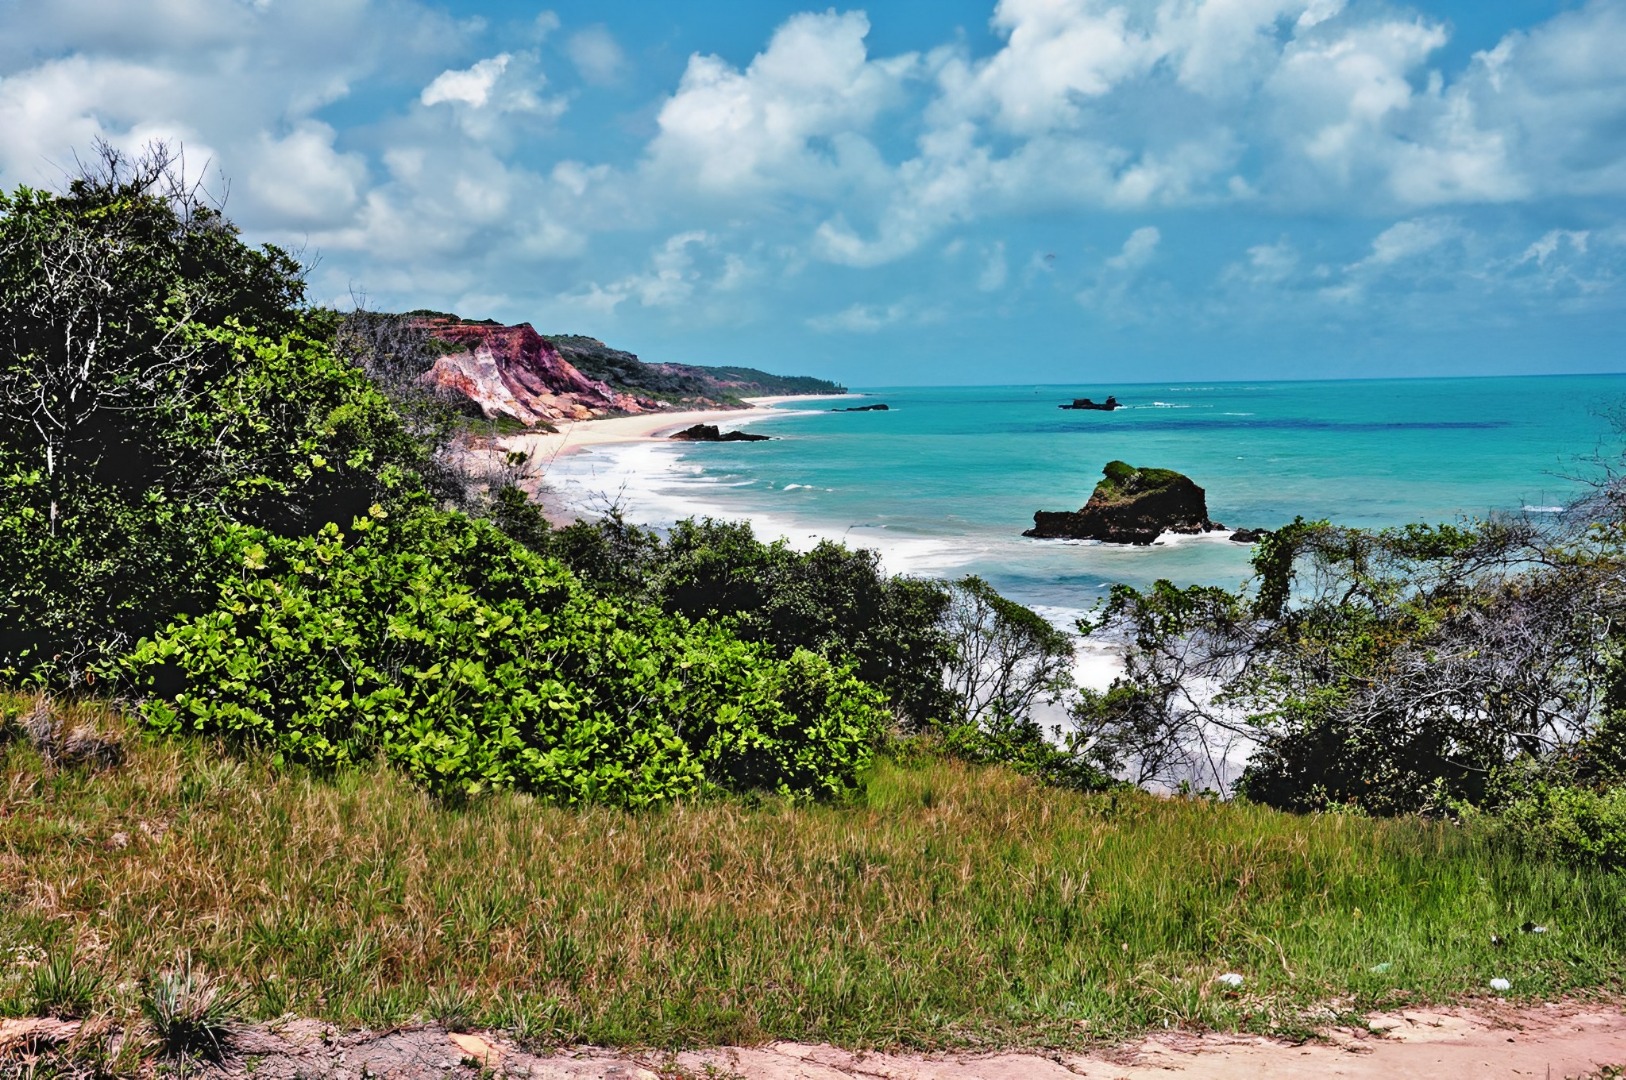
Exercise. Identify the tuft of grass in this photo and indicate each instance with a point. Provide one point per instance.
(64, 988)
(948, 905)
(453, 1007)
(189, 1014)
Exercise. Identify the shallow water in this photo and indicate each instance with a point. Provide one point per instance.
(945, 482)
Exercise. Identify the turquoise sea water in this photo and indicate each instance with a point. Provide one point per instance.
(946, 480)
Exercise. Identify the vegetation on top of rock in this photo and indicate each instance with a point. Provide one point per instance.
(668, 381)
(1123, 481)
(1130, 506)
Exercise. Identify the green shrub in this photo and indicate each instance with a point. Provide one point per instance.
(1577, 824)
(472, 663)
(832, 600)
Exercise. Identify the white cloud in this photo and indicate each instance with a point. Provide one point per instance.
(302, 179)
(994, 269)
(1548, 245)
(1138, 250)
(597, 55)
(1118, 290)
(1407, 240)
(793, 120)
(471, 86)
(687, 268)
(873, 318)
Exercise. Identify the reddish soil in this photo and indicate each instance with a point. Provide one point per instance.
(1551, 1041)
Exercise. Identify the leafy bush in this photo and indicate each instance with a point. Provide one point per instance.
(832, 601)
(1394, 670)
(1577, 824)
(471, 663)
(1022, 745)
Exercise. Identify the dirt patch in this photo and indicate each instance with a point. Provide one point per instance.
(1546, 1041)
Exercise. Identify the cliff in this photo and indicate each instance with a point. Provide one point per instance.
(1130, 506)
(515, 372)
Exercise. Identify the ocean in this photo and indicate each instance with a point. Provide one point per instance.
(945, 480)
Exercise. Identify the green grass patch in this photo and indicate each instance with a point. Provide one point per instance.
(947, 905)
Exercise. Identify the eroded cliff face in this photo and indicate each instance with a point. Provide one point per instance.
(512, 371)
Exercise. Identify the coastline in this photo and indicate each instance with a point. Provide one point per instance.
(574, 437)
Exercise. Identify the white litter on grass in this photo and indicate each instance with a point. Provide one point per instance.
(1500, 985)
(1230, 979)
(1379, 969)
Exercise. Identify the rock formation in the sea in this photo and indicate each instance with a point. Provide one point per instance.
(1101, 406)
(864, 408)
(711, 433)
(1131, 506)
(512, 371)
(1249, 536)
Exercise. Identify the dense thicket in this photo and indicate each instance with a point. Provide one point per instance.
(237, 507)
(954, 659)
(472, 663)
(157, 380)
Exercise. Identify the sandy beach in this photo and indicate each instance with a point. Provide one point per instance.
(544, 448)
(575, 436)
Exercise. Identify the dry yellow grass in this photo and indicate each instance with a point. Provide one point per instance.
(948, 905)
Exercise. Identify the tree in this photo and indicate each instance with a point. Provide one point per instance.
(158, 378)
(1392, 670)
(1006, 660)
(100, 290)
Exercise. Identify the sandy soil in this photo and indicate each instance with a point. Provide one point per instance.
(1553, 1041)
(574, 437)
(646, 427)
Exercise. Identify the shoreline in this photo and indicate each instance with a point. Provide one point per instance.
(574, 437)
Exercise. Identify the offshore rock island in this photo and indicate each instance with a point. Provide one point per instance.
(1130, 506)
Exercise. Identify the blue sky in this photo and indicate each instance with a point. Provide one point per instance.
(912, 192)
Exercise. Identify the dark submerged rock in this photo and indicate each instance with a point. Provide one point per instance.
(1249, 536)
(864, 408)
(1100, 406)
(711, 433)
(1131, 506)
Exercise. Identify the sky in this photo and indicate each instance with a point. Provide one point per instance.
(913, 192)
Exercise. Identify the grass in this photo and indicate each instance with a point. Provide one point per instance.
(950, 906)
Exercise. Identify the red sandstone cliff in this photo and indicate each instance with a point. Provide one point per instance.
(513, 371)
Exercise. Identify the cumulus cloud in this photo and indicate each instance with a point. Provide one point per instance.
(1117, 289)
(689, 270)
(1137, 250)
(471, 86)
(792, 121)
(825, 157)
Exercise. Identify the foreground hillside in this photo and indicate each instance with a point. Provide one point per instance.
(947, 905)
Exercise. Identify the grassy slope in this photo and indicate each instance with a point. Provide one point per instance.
(953, 905)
